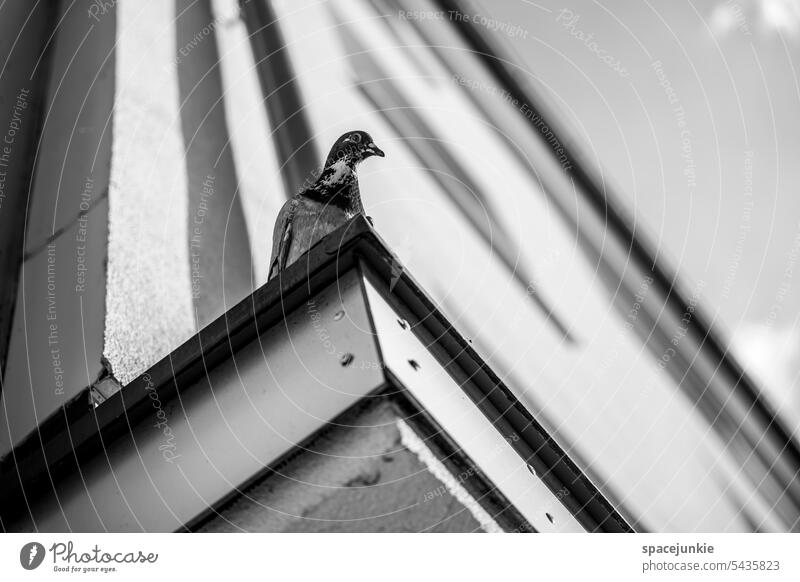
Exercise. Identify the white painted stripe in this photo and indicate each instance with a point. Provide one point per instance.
(148, 300)
(414, 444)
(260, 185)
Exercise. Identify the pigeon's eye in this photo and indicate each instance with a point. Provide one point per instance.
(356, 138)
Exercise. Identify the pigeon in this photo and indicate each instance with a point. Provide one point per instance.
(325, 206)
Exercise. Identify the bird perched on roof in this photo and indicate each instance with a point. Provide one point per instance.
(325, 206)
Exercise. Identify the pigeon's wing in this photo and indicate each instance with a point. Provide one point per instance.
(282, 237)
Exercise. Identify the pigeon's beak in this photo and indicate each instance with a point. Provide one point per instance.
(374, 150)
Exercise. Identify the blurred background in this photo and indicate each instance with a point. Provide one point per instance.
(734, 225)
(575, 184)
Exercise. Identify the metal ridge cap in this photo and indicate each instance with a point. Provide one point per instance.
(486, 389)
(67, 435)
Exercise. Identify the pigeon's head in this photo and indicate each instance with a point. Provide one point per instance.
(353, 147)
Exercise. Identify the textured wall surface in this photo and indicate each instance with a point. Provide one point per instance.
(356, 477)
(148, 301)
